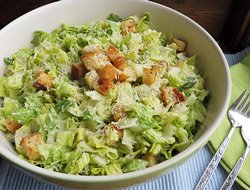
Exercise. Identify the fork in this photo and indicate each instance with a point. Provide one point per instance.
(245, 131)
(236, 114)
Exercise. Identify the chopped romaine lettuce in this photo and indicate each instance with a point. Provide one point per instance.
(114, 17)
(143, 22)
(89, 132)
(134, 165)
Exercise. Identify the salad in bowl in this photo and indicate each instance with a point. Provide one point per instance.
(103, 98)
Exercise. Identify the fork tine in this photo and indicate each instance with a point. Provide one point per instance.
(237, 102)
(247, 107)
(244, 103)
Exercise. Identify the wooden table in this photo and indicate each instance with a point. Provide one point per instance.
(228, 21)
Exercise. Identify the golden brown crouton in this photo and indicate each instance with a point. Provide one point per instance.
(168, 96)
(113, 53)
(152, 159)
(104, 52)
(128, 26)
(30, 145)
(78, 71)
(90, 61)
(149, 75)
(43, 81)
(181, 45)
(105, 85)
(92, 48)
(118, 112)
(12, 125)
(103, 56)
(129, 71)
(107, 72)
(171, 95)
(120, 63)
(91, 77)
(121, 76)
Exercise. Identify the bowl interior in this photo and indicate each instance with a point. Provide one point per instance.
(211, 60)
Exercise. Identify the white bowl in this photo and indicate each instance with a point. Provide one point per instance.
(211, 60)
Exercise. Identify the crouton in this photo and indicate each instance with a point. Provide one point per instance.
(91, 78)
(118, 130)
(102, 56)
(104, 86)
(30, 145)
(90, 61)
(43, 81)
(128, 26)
(118, 112)
(129, 71)
(78, 70)
(107, 72)
(113, 53)
(120, 63)
(152, 159)
(149, 75)
(181, 45)
(12, 125)
(168, 96)
(171, 95)
(92, 48)
(120, 76)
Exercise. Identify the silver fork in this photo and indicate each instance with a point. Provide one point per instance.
(245, 131)
(236, 114)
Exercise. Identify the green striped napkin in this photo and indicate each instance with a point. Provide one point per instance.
(240, 74)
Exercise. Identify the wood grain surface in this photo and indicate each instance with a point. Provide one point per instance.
(12, 9)
(210, 14)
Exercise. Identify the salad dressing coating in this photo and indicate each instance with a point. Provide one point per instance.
(103, 98)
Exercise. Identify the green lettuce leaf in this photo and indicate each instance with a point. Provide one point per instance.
(113, 169)
(52, 122)
(134, 165)
(3, 90)
(115, 18)
(77, 162)
(200, 110)
(19, 134)
(143, 23)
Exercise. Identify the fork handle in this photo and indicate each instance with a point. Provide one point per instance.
(214, 162)
(234, 173)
